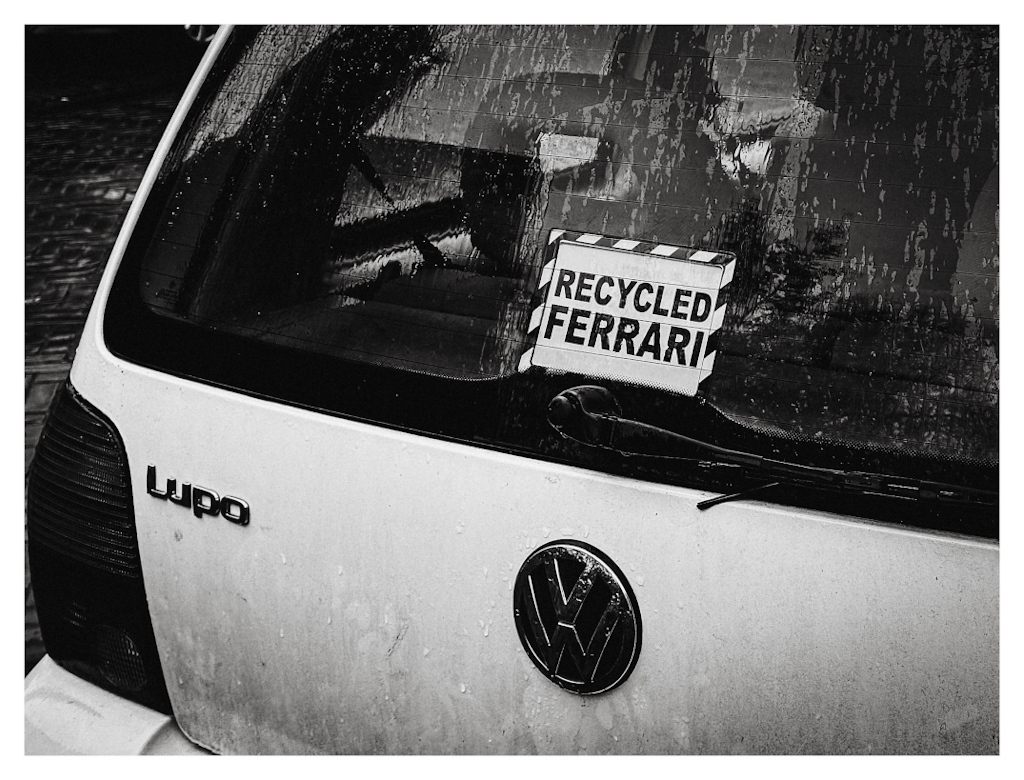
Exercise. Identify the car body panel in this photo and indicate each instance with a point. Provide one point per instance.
(65, 715)
(367, 605)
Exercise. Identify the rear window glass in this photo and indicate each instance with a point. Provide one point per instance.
(391, 197)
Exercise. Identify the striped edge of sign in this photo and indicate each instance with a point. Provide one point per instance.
(640, 247)
(725, 259)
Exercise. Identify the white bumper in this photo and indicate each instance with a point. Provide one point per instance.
(67, 715)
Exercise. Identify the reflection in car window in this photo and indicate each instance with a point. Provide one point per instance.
(385, 195)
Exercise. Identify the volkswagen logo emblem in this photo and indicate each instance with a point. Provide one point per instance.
(577, 617)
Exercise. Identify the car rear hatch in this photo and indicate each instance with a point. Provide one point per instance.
(373, 258)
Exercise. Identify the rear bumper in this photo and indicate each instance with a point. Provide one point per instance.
(67, 715)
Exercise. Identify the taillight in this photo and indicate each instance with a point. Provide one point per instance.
(84, 555)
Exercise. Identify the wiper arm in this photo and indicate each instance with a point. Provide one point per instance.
(590, 414)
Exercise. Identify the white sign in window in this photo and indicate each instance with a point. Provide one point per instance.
(634, 311)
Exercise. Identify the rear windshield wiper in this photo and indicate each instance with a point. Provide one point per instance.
(590, 415)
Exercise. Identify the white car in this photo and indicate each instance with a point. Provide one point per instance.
(539, 390)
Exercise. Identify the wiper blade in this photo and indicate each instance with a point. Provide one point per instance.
(590, 415)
